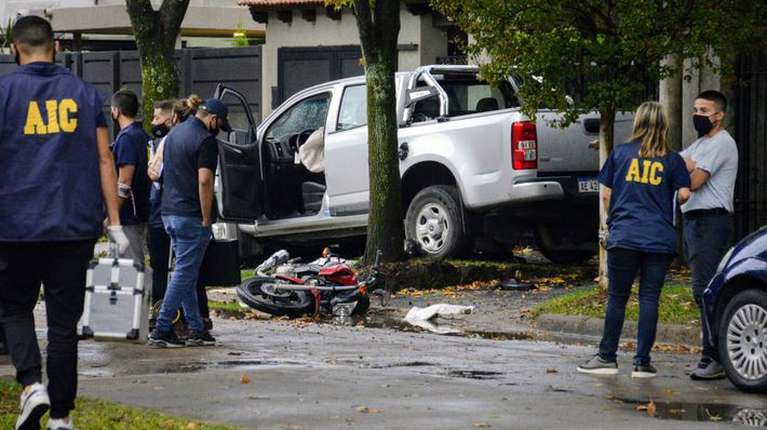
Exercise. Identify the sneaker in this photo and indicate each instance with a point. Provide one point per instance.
(159, 339)
(644, 371)
(34, 404)
(703, 363)
(712, 371)
(60, 424)
(599, 366)
(201, 339)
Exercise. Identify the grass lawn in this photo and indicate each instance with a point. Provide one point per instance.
(677, 305)
(99, 415)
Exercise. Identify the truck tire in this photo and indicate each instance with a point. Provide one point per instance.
(742, 340)
(566, 244)
(434, 222)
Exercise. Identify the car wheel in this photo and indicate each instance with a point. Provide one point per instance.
(434, 222)
(743, 340)
(563, 244)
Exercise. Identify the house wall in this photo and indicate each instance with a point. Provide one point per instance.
(416, 30)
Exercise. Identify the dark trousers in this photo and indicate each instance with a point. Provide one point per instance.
(159, 253)
(706, 241)
(622, 268)
(60, 267)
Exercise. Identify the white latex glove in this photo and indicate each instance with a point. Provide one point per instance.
(117, 236)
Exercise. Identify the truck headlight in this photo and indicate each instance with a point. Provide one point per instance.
(725, 260)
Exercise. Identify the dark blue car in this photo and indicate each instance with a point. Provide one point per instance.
(736, 312)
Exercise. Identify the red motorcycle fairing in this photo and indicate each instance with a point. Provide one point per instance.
(339, 274)
(296, 281)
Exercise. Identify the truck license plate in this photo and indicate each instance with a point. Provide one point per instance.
(588, 186)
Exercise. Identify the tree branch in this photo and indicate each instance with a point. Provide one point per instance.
(143, 17)
(365, 26)
(172, 14)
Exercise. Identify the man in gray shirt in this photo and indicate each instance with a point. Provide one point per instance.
(712, 161)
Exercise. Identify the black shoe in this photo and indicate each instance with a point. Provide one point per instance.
(644, 371)
(208, 323)
(598, 366)
(160, 339)
(201, 339)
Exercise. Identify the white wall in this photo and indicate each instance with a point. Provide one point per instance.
(418, 30)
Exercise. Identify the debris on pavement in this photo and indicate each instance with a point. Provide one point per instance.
(511, 284)
(420, 317)
(442, 309)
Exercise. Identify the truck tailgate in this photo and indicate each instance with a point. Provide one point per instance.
(566, 150)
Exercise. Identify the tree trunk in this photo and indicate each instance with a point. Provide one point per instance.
(385, 227)
(155, 33)
(379, 26)
(159, 77)
(606, 141)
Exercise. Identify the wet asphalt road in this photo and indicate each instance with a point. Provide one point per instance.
(322, 376)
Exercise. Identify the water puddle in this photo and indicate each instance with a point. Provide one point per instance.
(703, 412)
(194, 367)
(405, 364)
(474, 374)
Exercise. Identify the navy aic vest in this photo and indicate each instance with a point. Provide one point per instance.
(180, 189)
(50, 186)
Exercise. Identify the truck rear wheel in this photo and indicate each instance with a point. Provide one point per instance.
(566, 244)
(434, 222)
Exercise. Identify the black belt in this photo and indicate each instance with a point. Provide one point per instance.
(700, 213)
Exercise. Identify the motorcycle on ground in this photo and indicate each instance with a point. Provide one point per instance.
(327, 286)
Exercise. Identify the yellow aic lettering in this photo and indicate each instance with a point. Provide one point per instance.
(61, 117)
(650, 172)
(67, 109)
(34, 123)
(656, 168)
(633, 174)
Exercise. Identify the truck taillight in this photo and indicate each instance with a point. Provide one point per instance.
(524, 145)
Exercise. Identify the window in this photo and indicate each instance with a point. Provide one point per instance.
(308, 114)
(237, 117)
(354, 108)
(468, 95)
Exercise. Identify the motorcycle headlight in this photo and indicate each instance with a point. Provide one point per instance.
(725, 260)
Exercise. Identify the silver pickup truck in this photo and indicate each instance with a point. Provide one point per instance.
(474, 168)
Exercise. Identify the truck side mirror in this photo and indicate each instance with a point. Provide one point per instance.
(420, 94)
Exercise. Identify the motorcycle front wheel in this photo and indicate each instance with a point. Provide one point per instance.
(259, 294)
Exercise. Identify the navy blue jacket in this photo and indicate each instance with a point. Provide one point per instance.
(180, 186)
(50, 186)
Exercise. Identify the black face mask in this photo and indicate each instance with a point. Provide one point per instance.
(160, 130)
(702, 124)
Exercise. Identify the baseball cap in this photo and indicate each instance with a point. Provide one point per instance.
(218, 108)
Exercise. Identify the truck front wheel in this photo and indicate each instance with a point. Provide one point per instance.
(434, 222)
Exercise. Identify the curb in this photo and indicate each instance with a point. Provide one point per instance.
(590, 326)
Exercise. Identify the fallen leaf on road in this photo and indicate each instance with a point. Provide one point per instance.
(369, 411)
(668, 392)
(481, 425)
(713, 417)
(244, 379)
(551, 370)
(650, 408)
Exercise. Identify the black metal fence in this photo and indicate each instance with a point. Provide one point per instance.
(201, 69)
(750, 110)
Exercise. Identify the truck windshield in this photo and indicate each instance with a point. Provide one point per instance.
(467, 94)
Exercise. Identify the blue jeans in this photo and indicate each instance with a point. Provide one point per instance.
(189, 240)
(622, 267)
(706, 240)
